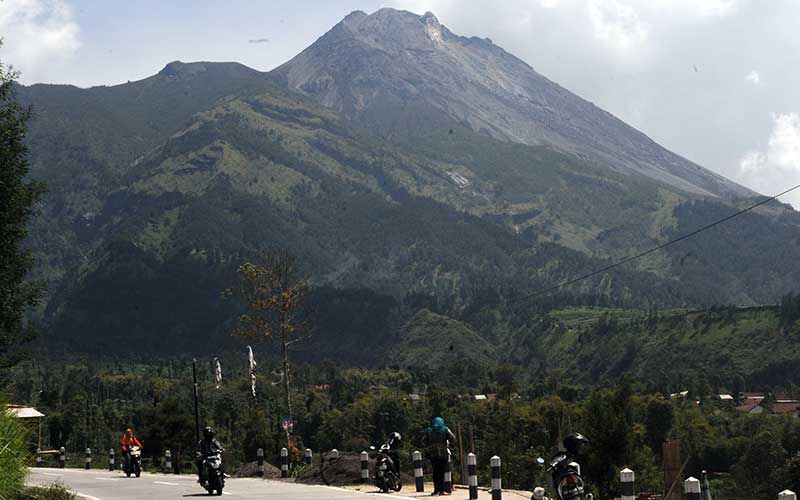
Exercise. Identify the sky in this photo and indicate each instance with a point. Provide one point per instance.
(717, 81)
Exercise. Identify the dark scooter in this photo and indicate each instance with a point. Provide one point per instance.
(387, 465)
(214, 478)
(565, 473)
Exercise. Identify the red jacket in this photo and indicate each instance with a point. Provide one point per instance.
(124, 443)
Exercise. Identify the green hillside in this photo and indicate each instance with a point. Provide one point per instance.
(152, 206)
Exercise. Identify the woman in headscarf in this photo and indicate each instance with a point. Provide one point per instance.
(437, 441)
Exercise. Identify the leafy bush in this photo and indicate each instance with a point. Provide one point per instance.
(13, 454)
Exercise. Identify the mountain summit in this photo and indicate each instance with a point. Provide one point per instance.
(401, 74)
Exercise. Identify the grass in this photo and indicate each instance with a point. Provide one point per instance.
(54, 491)
(13, 455)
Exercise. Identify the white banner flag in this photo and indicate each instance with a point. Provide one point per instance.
(217, 372)
(253, 363)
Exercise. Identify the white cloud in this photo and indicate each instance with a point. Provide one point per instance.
(36, 34)
(777, 168)
(618, 26)
(700, 9)
(753, 77)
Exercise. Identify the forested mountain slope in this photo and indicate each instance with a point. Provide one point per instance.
(158, 189)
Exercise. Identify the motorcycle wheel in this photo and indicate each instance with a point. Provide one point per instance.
(397, 485)
(138, 470)
(215, 484)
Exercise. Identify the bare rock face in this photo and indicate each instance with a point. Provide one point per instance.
(400, 74)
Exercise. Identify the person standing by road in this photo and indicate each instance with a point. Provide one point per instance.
(437, 441)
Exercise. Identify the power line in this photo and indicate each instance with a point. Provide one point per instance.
(654, 249)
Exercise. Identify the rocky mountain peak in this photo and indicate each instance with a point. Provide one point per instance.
(399, 73)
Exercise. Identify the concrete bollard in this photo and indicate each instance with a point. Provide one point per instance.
(691, 489)
(168, 461)
(111, 459)
(448, 475)
(419, 478)
(284, 462)
(364, 467)
(334, 454)
(309, 456)
(472, 473)
(88, 459)
(497, 485)
(62, 457)
(627, 478)
(260, 461)
(38, 457)
(787, 495)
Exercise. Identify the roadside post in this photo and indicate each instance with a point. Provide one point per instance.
(88, 461)
(364, 467)
(111, 459)
(62, 457)
(38, 457)
(260, 461)
(472, 472)
(448, 474)
(627, 478)
(787, 495)
(168, 461)
(497, 485)
(309, 456)
(284, 462)
(333, 454)
(691, 489)
(419, 478)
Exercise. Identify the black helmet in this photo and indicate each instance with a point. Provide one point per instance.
(575, 442)
(208, 433)
(394, 440)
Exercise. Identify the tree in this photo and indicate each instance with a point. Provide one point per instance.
(18, 199)
(275, 299)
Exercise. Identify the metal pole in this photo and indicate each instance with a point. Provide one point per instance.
(196, 406)
(706, 487)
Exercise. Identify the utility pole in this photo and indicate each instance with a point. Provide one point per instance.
(196, 406)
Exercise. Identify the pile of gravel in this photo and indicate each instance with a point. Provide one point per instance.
(250, 469)
(342, 471)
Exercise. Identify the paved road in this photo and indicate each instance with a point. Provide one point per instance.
(105, 485)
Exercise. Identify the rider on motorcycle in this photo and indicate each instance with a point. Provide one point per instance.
(128, 440)
(207, 446)
(394, 450)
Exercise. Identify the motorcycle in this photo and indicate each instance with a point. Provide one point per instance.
(133, 461)
(386, 476)
(213, 474)
(565, 473)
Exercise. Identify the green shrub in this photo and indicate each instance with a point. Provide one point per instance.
(13, 455)
(55, 491)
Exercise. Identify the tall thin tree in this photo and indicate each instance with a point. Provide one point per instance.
(274, 297)
(18, 198)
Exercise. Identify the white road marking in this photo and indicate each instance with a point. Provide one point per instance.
(108, 478)
(88, 497)
(226, 493)
(168, 484)
(50, 474)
